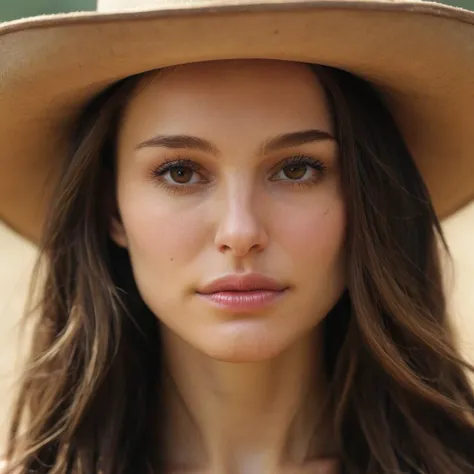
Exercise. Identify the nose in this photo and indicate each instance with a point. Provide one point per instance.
(240, 229)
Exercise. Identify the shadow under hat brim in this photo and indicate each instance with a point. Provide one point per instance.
(419, 55)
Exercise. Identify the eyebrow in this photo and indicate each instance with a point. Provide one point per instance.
(279, 142)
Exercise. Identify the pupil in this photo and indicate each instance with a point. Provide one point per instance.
(295, 171)
(181, 175)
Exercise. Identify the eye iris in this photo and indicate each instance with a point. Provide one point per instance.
(295, 171)
(181, 175)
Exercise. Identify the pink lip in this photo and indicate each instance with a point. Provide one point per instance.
(242, 293)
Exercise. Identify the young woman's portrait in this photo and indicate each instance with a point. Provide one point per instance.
(237, 210)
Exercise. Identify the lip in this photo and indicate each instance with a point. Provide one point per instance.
(242, 293)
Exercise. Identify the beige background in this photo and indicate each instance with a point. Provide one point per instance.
(459, 231)
(17, 258)
(16, 262)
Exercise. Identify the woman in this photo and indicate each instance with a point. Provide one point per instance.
(240, 266)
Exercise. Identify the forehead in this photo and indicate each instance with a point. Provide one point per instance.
(228, 93)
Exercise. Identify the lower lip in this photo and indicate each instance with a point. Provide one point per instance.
(243, 301)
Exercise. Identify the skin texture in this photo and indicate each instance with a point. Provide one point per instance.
(243, 389)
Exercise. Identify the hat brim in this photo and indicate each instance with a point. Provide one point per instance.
(419, 55)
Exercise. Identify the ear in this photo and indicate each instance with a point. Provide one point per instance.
(117, 232)
(115, 226)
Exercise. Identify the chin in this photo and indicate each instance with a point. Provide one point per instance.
(243, 345)
(242, 356)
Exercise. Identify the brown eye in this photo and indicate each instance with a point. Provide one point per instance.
(181, 174)
(296, 171)
(300, 169)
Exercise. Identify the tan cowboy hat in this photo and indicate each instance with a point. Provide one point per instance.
(418, 54)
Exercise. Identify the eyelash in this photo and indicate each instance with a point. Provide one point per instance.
(301, 159)
(169, 165)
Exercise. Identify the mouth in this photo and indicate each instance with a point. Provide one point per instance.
(243, 293)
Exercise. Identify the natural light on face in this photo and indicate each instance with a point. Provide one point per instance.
(230, 168)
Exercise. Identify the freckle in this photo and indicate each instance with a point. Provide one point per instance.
(171, 259)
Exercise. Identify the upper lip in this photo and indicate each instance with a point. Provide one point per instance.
(247, 282)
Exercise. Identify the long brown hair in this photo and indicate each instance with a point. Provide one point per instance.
(401, 397)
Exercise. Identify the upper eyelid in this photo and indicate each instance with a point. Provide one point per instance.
(195, 163)
(168, 164)
(305, 159)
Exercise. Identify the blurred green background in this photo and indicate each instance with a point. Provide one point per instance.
(11, 9)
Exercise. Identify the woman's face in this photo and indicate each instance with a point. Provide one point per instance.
(229, 169)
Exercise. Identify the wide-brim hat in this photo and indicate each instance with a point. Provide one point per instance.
(420, 55)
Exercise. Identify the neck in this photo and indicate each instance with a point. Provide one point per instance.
(245, 417)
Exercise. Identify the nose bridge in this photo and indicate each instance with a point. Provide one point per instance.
(240, 228)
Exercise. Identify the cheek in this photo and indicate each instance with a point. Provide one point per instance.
(160, 235)
(314, 248)
(315, 240)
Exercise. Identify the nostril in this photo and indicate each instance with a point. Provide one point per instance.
(240, 237)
